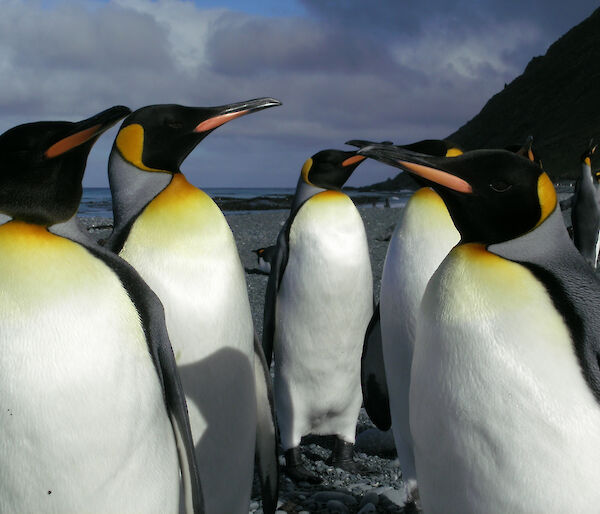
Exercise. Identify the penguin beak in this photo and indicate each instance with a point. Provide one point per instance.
(86, 130)
(353, 160)
(226, 113)
(361, 143)
(416, 164)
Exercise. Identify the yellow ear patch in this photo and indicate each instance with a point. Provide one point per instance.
(130, 142)
(546, 196)
(305, 169)
(453, 152)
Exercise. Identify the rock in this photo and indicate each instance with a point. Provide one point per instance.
(370, 497)
(337, 507)
(375, 442)
(395, 496)
(327, 496)
(367, 508)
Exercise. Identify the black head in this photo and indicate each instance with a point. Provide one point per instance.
(586, 157)
(160, 137)
(42, 165)
(492, 195)
(434, 147)
(330, 169)
(525, 150)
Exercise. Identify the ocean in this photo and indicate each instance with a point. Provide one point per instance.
(96, 201)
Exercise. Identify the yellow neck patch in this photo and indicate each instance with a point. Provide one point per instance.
(179, 195)
(330, 196)
(18, 235)
(546, 196)
(305, 169)
(426, 194)
(587, 161)
(130, 142)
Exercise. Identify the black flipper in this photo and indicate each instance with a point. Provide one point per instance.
(372, 376)
(278, 265)
(266, 432)
(152, 316)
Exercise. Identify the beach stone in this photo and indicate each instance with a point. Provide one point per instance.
(368, 508)
(337, 507)
(395, 496)
(253, 506)
(370, 497)
(324, 497)
(375, 442)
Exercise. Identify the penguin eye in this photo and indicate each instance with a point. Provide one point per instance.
(174, 124)
(500, 186)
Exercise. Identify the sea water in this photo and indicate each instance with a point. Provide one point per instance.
(96, 201)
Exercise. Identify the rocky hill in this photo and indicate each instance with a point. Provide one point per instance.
(556, 99)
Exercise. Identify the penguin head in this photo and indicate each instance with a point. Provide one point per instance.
(492, 195)
(525, 150)
(160, 137)
(434, 147)
(586, 157)
(42, 166)
(330, 169)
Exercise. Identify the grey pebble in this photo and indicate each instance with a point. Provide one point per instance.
(368, 508)
(337, 507)
(327, 496)
(370, 497)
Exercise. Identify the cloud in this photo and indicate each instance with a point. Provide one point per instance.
(385, 70)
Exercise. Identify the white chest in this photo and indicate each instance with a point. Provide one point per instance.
(500, 412)
(325, 298)
(185, 251)
(326, 291)
(80, 393)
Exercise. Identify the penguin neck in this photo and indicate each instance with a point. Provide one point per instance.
(304, 191)
(74, 230)
(131, 190)
(586, 175)
(547, 243)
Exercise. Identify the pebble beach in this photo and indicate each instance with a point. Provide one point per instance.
(379, 488)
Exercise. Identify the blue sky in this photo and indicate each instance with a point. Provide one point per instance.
(344, 69)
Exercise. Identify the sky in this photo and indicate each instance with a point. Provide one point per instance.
(399, 70)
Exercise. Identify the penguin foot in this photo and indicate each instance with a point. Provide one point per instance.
(301, 474)
(295, 469)
(341, 457)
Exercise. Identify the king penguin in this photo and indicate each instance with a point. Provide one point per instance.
(264, 256)
(318, 303)
(585, 211)
(93, 411)
(505, 379)
(420, 242)
(177, 238)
